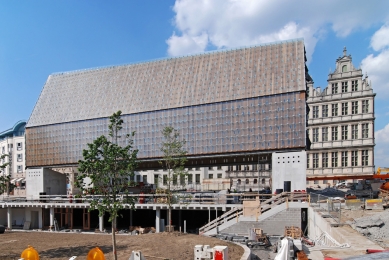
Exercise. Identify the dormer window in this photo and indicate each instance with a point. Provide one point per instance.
(344, 68)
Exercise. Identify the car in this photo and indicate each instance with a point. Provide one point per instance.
(2, 229)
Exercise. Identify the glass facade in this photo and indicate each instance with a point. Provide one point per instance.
(255, 124)
(247, 99)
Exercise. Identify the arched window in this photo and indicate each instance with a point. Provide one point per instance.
(263, 181)
(255, 181)
(344, 68)
(247, 181)
(238, 182)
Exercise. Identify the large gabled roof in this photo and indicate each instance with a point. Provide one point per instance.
(172, 82)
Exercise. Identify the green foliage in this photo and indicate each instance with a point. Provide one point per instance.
(4, 179)
(108, 166)
(174, 159)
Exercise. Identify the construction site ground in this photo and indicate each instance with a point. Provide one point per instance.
(60, 245)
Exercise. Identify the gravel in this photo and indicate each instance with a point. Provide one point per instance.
(374, 227)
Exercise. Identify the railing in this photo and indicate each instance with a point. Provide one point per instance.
(231, 214)
(267, 202)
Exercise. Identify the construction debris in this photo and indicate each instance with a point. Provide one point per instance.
(374, 227)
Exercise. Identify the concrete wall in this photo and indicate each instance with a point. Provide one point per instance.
(289, 167)
(274, 225)
(54, 182)
(44, 180)
(34, 182)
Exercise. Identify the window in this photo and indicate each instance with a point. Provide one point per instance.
(219, 167)
(247, 181)
(20, 168)
(197, 168)
(137, 178)
(20, 157)
(190, 178)
(324, 134)
(344, 87)
(354, 132)
(365, 106)
(182, 180)
(315, 135)
(315, 182)
(308, 160)
(210, 168)
(334, 131)
(365, 158)
(210, 176)
(354, 158)
(354, 85)
(219, 176)
(334, 88)
(230, 168)
(164, 181)
(334, 159)
(344, 159)
(344, 132)
(365, 130)
(156, 179)
(324, 160)
(19, 146)
(197, 178)
(315, 160)
(344, 68)
(144, 179)
(354, 107)
(175, 178)
(334, 109)
(315, 112)
(324, 110)
(344, 109)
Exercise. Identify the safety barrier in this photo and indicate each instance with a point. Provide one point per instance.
(353, 204)
(374, 204)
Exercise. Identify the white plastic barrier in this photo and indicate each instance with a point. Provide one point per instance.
(136, 255)
(207, 253)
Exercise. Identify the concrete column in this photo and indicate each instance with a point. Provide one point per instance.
(101, 223)
(130, 217)
(179, 220)
(157, 220)
(52, 217)
(9, 217)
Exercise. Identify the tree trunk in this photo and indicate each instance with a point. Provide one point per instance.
(114, 238)
(170, 219)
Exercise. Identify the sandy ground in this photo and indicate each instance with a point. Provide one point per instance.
(53, 245)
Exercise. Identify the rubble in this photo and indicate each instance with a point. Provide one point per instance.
(375, 227)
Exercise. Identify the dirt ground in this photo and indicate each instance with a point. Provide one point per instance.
(53, 245)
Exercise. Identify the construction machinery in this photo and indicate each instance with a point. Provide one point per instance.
(384, 192)
(383, 170)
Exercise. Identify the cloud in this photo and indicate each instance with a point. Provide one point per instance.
(381, 151)
(233, 23)
(380, 39)
(377, 65)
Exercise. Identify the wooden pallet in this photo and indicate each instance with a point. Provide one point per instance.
(293, 232)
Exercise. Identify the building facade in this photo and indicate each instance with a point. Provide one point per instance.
(341, 125)
(233, 107)
(12, 142)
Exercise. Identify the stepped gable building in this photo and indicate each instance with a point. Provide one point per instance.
(245, 101)
(341, 125)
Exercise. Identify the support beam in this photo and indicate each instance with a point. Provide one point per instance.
(51, 217)
(101, 223)
(157, 220)
(130, 217)
(9, 218)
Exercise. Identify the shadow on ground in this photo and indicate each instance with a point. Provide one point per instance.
(75, 251)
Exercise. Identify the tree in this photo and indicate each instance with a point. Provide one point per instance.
(108, 166)
(4, 179)
(174, 159)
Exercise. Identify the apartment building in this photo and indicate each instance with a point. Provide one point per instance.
(12, 142)
(341, 125)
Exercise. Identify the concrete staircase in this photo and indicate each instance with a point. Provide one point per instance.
(275, 213)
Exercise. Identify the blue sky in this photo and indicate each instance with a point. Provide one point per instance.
(38, 38)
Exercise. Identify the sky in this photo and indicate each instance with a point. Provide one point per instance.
(38, 38)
